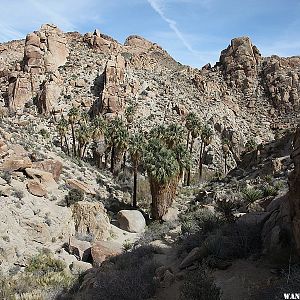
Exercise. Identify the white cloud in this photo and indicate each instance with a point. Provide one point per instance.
(8, 33)
(157, 5)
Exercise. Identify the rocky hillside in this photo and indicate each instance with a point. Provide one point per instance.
(70, 208)
(243, 96)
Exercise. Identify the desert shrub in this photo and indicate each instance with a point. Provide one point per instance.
(251, 195)
(155, 231)
(43, 278)
(199, 219)
(237, 240)
(43, 264)
(7, 177)
(131, 277)
(288, 283)
(44, 133)
(250, 145)
(18, 194)
(226, 208)
(198, 285)
(74, 196)
(269, 190)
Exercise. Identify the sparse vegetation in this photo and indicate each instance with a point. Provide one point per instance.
(44, 278)
(198, 285)
(74, 196)
(251, 195)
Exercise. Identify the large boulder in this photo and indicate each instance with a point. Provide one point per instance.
(28, 226)
(102, 250)
(79, 185)
(36, 188)
(131, 220)
(49, 165)
(15, 163)
(91, 220)
(44, 178)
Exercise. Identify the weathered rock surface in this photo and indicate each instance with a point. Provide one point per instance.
(294, 192)
(91, 220)
(45, 50)
(49, 165)
(131, 220)
(102, 250)
(28, 226)
(76, 184)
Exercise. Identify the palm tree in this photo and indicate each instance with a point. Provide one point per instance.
(117, 138)
(73, 115)
(164, 172)
(62, 128)
(98, 133)
(136, 149)
(84, 135)
(173, 135)
(226, 149)
(193, 125)
(206, 138)
(190, 121)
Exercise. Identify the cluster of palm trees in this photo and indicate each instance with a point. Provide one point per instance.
(162, 152)
(197, 130)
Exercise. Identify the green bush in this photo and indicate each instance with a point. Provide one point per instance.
(251, 195)
(74, 196)
(198, 285)
(269, 190)
(129, 276)
(226, 208)
(43, 278)
(199, 219)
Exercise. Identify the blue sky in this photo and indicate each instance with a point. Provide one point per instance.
(193, 31)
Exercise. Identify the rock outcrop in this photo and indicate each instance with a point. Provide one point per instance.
(294, 192)
(91, 220)
(49, 95)
(240, 61)
(45, 50)
(19, 91)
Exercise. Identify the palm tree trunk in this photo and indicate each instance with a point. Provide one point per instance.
(124, 161)
(162, 196)
(189, 171)
(134, 200)
(73, 137)
(187, 141)
(112, 158)
(202, 147)
(61, 142)
(67, 145)
(84, 150)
